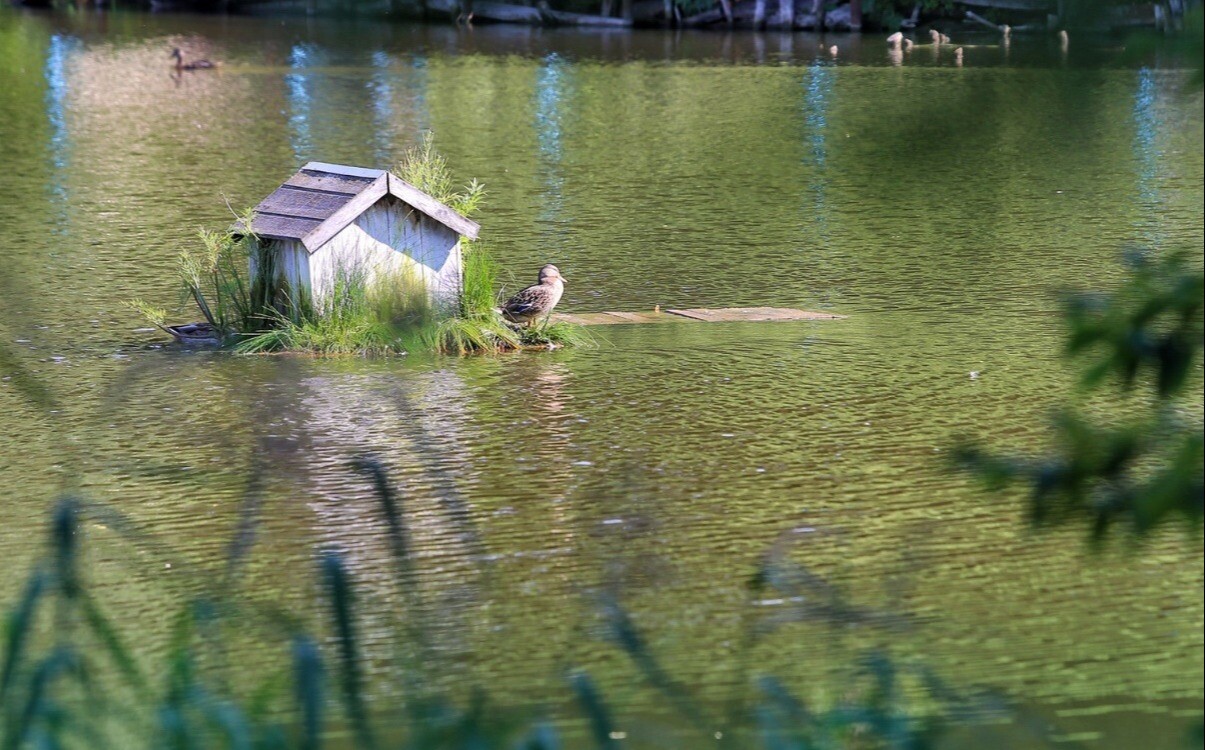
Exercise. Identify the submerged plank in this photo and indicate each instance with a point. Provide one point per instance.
(750, 314)
(702, 314)
(609, 318)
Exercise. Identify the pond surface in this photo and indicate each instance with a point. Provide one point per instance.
(940, 208)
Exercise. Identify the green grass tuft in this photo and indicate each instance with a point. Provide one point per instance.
(473, 335)
(363, 315)
(558, 334)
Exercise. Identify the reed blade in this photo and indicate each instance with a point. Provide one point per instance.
(342, 602)
(596, 711)
(18, 628)
(307, 678)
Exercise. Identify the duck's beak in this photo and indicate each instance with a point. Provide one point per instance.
(564, 280)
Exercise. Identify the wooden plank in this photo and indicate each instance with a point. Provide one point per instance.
(697, 314)
(343, 169)
(289, 201)
(635, 317)
(611, 318)
(750, 314)
(331, 183)
(406, 192)
(347, 214)
(283, 227)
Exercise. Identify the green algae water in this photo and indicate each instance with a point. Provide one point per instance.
(940, 208)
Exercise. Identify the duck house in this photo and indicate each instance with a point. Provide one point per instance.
(330, 220)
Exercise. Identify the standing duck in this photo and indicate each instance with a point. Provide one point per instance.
(537, 301)
(191, 64)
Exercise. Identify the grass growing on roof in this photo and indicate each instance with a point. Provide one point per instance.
(426, 169)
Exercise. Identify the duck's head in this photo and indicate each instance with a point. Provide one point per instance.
(176, 53)
(550, 274)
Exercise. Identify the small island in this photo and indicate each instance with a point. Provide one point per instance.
(343, 260)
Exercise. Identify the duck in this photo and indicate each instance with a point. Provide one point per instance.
(896, 39)
(191, 64)
(536, 302)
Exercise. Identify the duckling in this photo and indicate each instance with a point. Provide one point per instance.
(833, 50)
(935, 36)
(1064, 40)
(895, 39)
(191, 64)
(536, 301)
(908, 45)
(958, 57)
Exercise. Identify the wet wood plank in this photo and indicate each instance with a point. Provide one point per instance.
(750, 314)
(699, 314)
(610, 318)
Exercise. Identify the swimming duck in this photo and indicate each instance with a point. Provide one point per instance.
(191, 64)
(537, 301)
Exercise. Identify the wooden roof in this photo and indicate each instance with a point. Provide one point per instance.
(320, 200)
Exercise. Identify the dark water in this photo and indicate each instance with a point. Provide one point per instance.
(940, 208)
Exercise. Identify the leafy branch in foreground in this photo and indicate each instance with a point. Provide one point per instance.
(1146, 332)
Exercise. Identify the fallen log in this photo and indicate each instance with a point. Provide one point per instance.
(705, 18)
(973, 16)
(562, 18)
(505, 13)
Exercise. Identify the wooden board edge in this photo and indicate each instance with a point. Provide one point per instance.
(321, 234)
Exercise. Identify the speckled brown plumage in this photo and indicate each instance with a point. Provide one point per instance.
(536, 302)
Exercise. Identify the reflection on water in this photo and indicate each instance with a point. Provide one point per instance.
(940, 208)
(299, 102)
(819, 84)
(56, 95)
